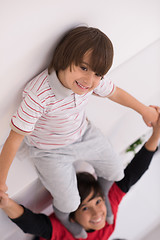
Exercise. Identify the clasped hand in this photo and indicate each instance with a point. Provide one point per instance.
(151, 114)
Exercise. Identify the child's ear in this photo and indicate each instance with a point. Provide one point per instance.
(72, 220)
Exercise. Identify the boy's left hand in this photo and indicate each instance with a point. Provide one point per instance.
(151, 115)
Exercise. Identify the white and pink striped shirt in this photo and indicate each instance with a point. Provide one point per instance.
(51, 115)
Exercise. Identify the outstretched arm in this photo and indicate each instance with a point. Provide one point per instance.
(148, 113)
(7, 155)
(141, 161)
(29, 222)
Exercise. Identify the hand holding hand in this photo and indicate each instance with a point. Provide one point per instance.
(156, 127)
(4, 199)
(150, 115)
(153, 141)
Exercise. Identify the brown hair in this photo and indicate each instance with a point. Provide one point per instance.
(78, 41)
(87, 183)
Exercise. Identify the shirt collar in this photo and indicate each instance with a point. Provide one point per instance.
(59, 90)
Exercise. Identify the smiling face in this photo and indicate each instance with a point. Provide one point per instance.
(91, 214)
(80, 79)
(75, 43)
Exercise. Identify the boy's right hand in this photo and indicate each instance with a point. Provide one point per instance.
(4, 199)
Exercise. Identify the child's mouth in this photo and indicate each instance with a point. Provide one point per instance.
(81, 86)
(97, 221)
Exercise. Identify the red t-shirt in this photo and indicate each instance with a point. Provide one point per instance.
(61, 233)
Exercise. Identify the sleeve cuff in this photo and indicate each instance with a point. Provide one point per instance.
(19, 219)
(112, 92)
(18, 130)
(149, 151)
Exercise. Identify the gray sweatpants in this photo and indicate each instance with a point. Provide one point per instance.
(56, 171)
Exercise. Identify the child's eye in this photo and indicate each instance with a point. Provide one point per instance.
(98, 75)
(98, 201)
(85, 208)
(83, 68)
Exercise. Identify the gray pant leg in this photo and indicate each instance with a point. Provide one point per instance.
(59, 178)
(96, 149)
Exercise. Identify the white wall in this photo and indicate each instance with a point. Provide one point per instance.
(30, 29)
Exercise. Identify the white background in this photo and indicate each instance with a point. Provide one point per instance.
(29, 32)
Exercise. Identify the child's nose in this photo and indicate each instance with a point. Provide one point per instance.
(90, 79)
(95, 212)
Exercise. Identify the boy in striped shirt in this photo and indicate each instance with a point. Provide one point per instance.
(53, 121)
